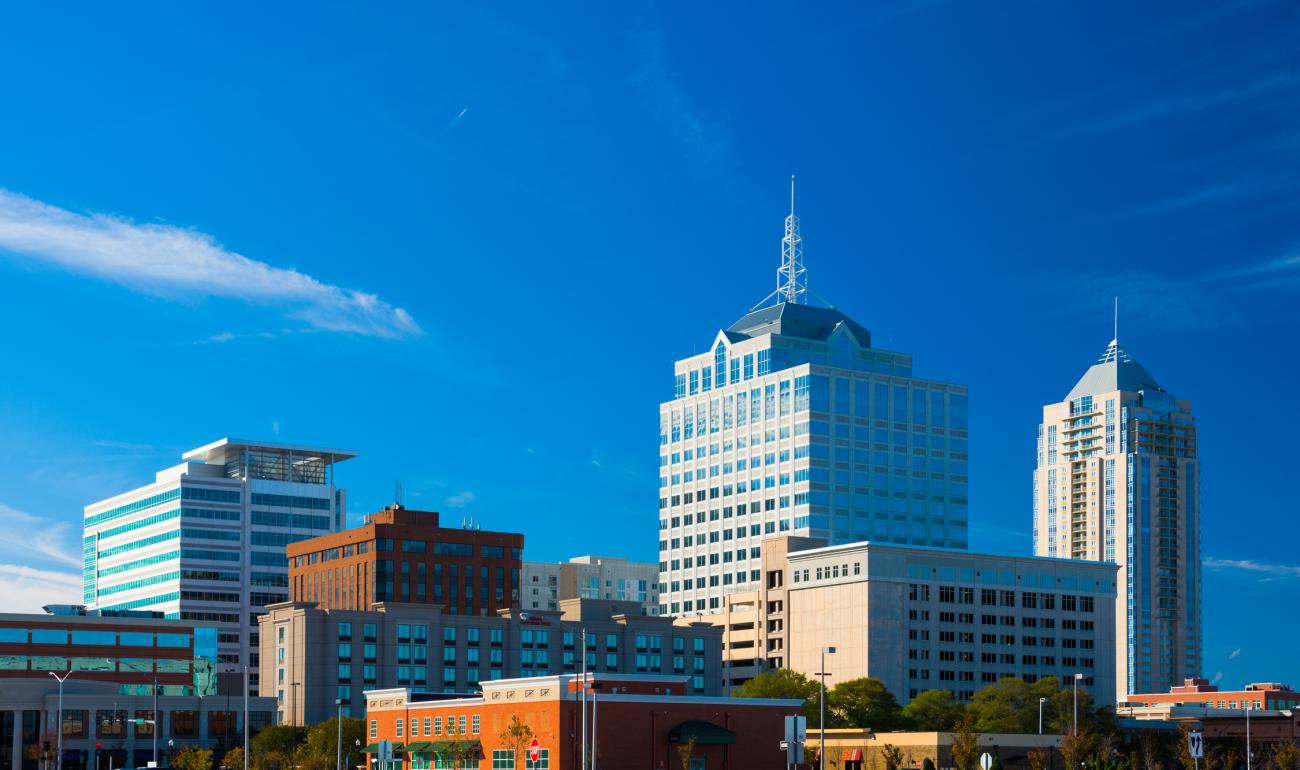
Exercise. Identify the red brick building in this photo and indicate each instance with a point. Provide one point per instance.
(1260, 696)
(404, 555)
(640, 721)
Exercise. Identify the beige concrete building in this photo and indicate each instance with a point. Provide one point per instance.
(546, 584)
(1118, 480)
(753, 622)
(928, 618)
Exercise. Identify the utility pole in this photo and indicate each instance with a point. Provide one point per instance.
(1247, 735)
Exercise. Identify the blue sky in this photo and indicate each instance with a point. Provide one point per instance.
(469, 244)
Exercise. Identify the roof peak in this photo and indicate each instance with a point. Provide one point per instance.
(1114, 370)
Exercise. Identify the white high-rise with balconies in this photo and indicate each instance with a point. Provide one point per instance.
(792, 423)
(1118, 480)
(205, 541)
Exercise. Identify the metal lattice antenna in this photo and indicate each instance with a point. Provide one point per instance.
(791, 276)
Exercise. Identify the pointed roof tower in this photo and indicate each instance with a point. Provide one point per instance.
(791, 276)
(1115, 370)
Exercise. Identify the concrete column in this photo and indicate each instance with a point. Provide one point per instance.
(17, 762)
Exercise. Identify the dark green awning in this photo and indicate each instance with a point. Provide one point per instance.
(451, 747)
(702, 732)
(373, 748)
(419, 746)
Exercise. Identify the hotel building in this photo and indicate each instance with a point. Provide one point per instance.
(791, 423)
(939, 619)
(112, 664)
(1118, 480)
(320, 655)
(206, 540)
(546, 584)
(404, 555)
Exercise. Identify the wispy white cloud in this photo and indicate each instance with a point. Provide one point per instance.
(26, 535)
(1233, 655)
(1217, 676)
(1188, 302)
(25, 589)
(1250, 565)
(705, 144)
(125, 445)
(456, 119)
(169, 261)
(1198, 101)
(461, 499)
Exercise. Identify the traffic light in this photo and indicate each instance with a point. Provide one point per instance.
(98, 745)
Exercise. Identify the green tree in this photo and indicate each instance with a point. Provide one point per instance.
(1011, 705)
(517, 737)
(784, 683)
(278, 739)
(322, 739)
(1286, 756)
(927, 764)
(233, 758)
(965, 743)
(892, 755)
(192, 758)
(933, 710)
(684, 752)
(864, 702)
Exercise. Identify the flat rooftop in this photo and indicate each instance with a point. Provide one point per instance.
(222, 450)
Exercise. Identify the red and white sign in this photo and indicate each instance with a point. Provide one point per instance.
(534, 751)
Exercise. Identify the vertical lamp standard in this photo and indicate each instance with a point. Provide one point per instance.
(1077, 677)
(1247, 735)
(338, 752)
(1041, 701)
(61, 680)
(821, 720)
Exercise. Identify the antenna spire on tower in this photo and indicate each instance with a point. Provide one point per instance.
(1116, 337)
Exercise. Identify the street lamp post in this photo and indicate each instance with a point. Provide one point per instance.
(338, 757)
(1041, 701)
(171, 751)
(1247, 735)
(358, 742)
(1077, 677)
(821, 719)
(61, 680)
(157, 723)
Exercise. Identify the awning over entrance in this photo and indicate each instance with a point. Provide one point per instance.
(447, 748)
(703, 733)
(373, 748)
(422, 746)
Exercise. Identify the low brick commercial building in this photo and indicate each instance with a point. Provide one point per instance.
(857, 748)
(640, 722)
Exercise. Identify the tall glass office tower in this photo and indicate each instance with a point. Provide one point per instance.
(206, 541)
(1118, 480)
(791, 423)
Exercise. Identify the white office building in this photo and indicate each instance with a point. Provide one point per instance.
(546, 584)
(791, 423)
(206, 540)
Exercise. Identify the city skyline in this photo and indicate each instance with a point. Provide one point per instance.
(975, 188)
